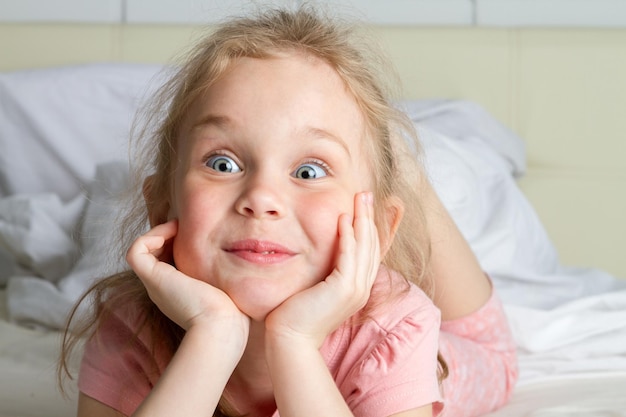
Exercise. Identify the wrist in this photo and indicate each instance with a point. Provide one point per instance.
(281, 343)
(228, 334)
(279, 333)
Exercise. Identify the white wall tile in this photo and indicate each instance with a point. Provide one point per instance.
(551, 13)
(88, 11)
(192, 11)
(406, 12)
(502, 13)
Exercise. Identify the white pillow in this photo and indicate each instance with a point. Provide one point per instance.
(476, 185)
(57, 124)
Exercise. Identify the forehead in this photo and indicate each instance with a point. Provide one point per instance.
(294, 72)
(302, 86)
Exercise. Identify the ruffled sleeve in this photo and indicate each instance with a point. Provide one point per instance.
(388, 364)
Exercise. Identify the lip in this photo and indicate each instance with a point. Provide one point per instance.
(260, 251)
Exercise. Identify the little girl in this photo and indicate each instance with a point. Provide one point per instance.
(298, 261)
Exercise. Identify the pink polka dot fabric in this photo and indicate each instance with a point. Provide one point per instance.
(480, 353)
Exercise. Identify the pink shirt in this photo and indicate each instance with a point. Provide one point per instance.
(382, 366)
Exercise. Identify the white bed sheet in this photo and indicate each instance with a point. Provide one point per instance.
(585, 395)
(28, 360)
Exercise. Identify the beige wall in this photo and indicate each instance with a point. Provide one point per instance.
(564, 92)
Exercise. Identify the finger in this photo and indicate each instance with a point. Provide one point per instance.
(347, 246)
(143, 254)
(364, 223)
(166, 230)
(366, 235)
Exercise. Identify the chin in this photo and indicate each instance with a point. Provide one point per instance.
(257, 297)
(257, 313)
(256, 308)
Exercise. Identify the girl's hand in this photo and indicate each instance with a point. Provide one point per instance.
(185, 300)
(315, 312)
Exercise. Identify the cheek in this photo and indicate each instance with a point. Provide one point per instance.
(320, 214)
(319, 220)
(197, 216)
(195, 205)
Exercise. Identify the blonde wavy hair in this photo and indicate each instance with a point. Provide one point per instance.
(391, 143)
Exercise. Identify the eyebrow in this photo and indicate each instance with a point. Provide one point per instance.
(319, 133)
(212, 120)
(325, 134)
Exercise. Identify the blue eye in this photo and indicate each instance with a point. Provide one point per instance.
(309, 172)
(221, 163)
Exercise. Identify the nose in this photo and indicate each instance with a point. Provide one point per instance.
(261, 198)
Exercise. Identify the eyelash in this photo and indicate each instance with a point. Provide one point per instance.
(319, 163)
(213, 154)
(313, 161)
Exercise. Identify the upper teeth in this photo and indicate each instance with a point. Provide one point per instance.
(267, 252)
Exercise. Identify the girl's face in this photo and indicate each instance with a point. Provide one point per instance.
(268, 159)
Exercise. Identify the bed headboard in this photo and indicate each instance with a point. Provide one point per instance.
(562, 90)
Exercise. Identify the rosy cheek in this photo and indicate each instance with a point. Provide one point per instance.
(320, 223)
(192, 206)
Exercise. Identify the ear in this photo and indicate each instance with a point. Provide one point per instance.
(158, 207)
(394, 211)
